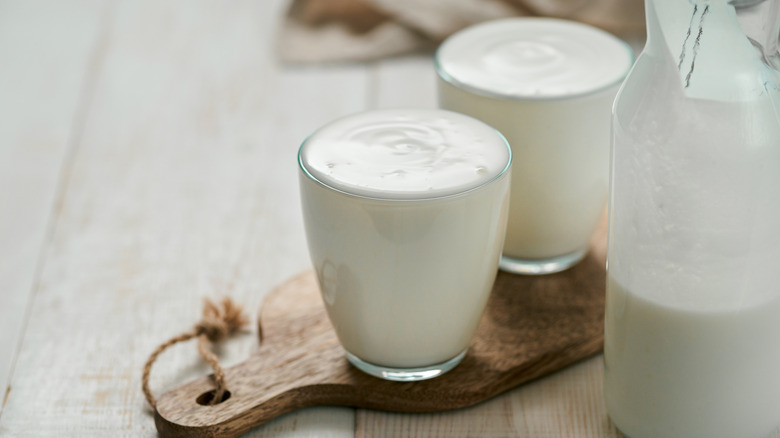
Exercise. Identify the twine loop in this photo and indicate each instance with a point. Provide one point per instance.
(219, 321)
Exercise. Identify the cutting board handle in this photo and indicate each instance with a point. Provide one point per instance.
(268, 385)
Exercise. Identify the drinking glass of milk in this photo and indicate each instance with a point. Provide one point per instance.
(548, 86)
(405, 213)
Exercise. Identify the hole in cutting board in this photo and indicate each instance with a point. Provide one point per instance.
(206, 398)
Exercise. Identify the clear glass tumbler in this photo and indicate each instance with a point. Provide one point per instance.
(405, 214)
(548, 86)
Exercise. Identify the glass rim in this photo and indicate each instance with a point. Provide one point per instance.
(448, 78)
(413, 198)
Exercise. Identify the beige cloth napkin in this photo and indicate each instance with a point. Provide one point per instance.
(358, 30)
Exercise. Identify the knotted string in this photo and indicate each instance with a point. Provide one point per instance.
(218, 322)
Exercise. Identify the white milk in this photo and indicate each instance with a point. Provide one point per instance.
(676, 372)
(405, 213)
(548, 86)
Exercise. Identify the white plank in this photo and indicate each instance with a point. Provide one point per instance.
(184, 185)
(45, 54)
(404, 82)
(567, 404)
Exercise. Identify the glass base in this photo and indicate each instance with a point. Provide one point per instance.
(405, 374)
(541, 266)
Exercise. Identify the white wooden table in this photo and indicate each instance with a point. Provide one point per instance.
(148, 159)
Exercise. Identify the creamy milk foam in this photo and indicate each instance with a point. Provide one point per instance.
(410, 154)
(548, 86)
(405, 213)
(533, 58)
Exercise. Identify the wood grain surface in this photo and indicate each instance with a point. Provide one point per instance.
(44, 84)
(532, 326)
(147, 159)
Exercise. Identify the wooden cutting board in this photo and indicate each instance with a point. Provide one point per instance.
(532, 326)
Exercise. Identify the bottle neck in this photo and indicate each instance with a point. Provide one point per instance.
(706, 41)
(760, 20)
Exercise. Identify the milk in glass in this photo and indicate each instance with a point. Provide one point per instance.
(405, 213)
(548, 86)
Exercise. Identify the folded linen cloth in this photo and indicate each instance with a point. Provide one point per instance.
(359, 30)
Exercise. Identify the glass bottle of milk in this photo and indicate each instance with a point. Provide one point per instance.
(692, 345)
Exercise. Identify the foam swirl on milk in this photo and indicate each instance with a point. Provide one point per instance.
(405, 154)
(533, 58)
